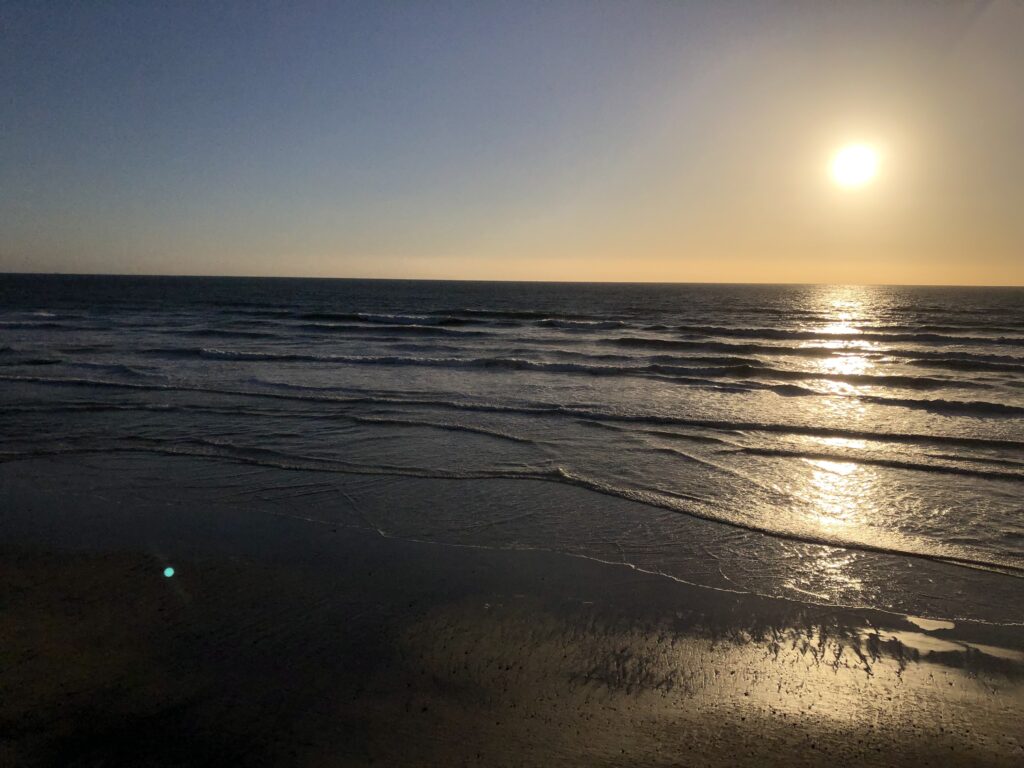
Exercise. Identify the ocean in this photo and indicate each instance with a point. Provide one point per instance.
(840, 445)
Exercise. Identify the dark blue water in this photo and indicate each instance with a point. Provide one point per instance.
(830, 438)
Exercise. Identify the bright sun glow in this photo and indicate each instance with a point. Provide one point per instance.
(854, 165)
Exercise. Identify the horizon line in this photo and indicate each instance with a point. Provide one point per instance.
(498, 280)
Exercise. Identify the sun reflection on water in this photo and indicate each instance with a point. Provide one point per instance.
(840, 502)
(839, 326)
(834, 491)
(836, 499)
(843, 310)
(844, 442)
(846, 364)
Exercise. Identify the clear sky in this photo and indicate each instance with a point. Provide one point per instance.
(670, 141)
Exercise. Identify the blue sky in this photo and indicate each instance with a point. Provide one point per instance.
(557, 140)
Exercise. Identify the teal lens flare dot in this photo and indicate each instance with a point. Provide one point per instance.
(168, 572)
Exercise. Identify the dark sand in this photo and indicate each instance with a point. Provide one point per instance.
(285, 642)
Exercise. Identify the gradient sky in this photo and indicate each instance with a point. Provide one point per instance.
(668, 141)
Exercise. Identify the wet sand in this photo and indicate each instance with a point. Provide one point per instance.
(284, 642)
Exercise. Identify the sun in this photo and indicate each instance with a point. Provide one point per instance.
(855, 165)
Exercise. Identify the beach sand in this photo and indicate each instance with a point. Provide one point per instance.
(280, 641)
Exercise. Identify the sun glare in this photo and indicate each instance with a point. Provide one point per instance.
(854, 165)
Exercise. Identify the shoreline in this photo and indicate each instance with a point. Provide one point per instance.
(279, 642)
(453, 511)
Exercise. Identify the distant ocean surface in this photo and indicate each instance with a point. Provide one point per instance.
(834, 444)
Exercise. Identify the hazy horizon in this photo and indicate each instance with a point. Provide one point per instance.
(566, 141)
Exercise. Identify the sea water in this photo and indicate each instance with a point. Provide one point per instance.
(837, 444)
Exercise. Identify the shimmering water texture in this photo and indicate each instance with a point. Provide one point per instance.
(859, 446)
